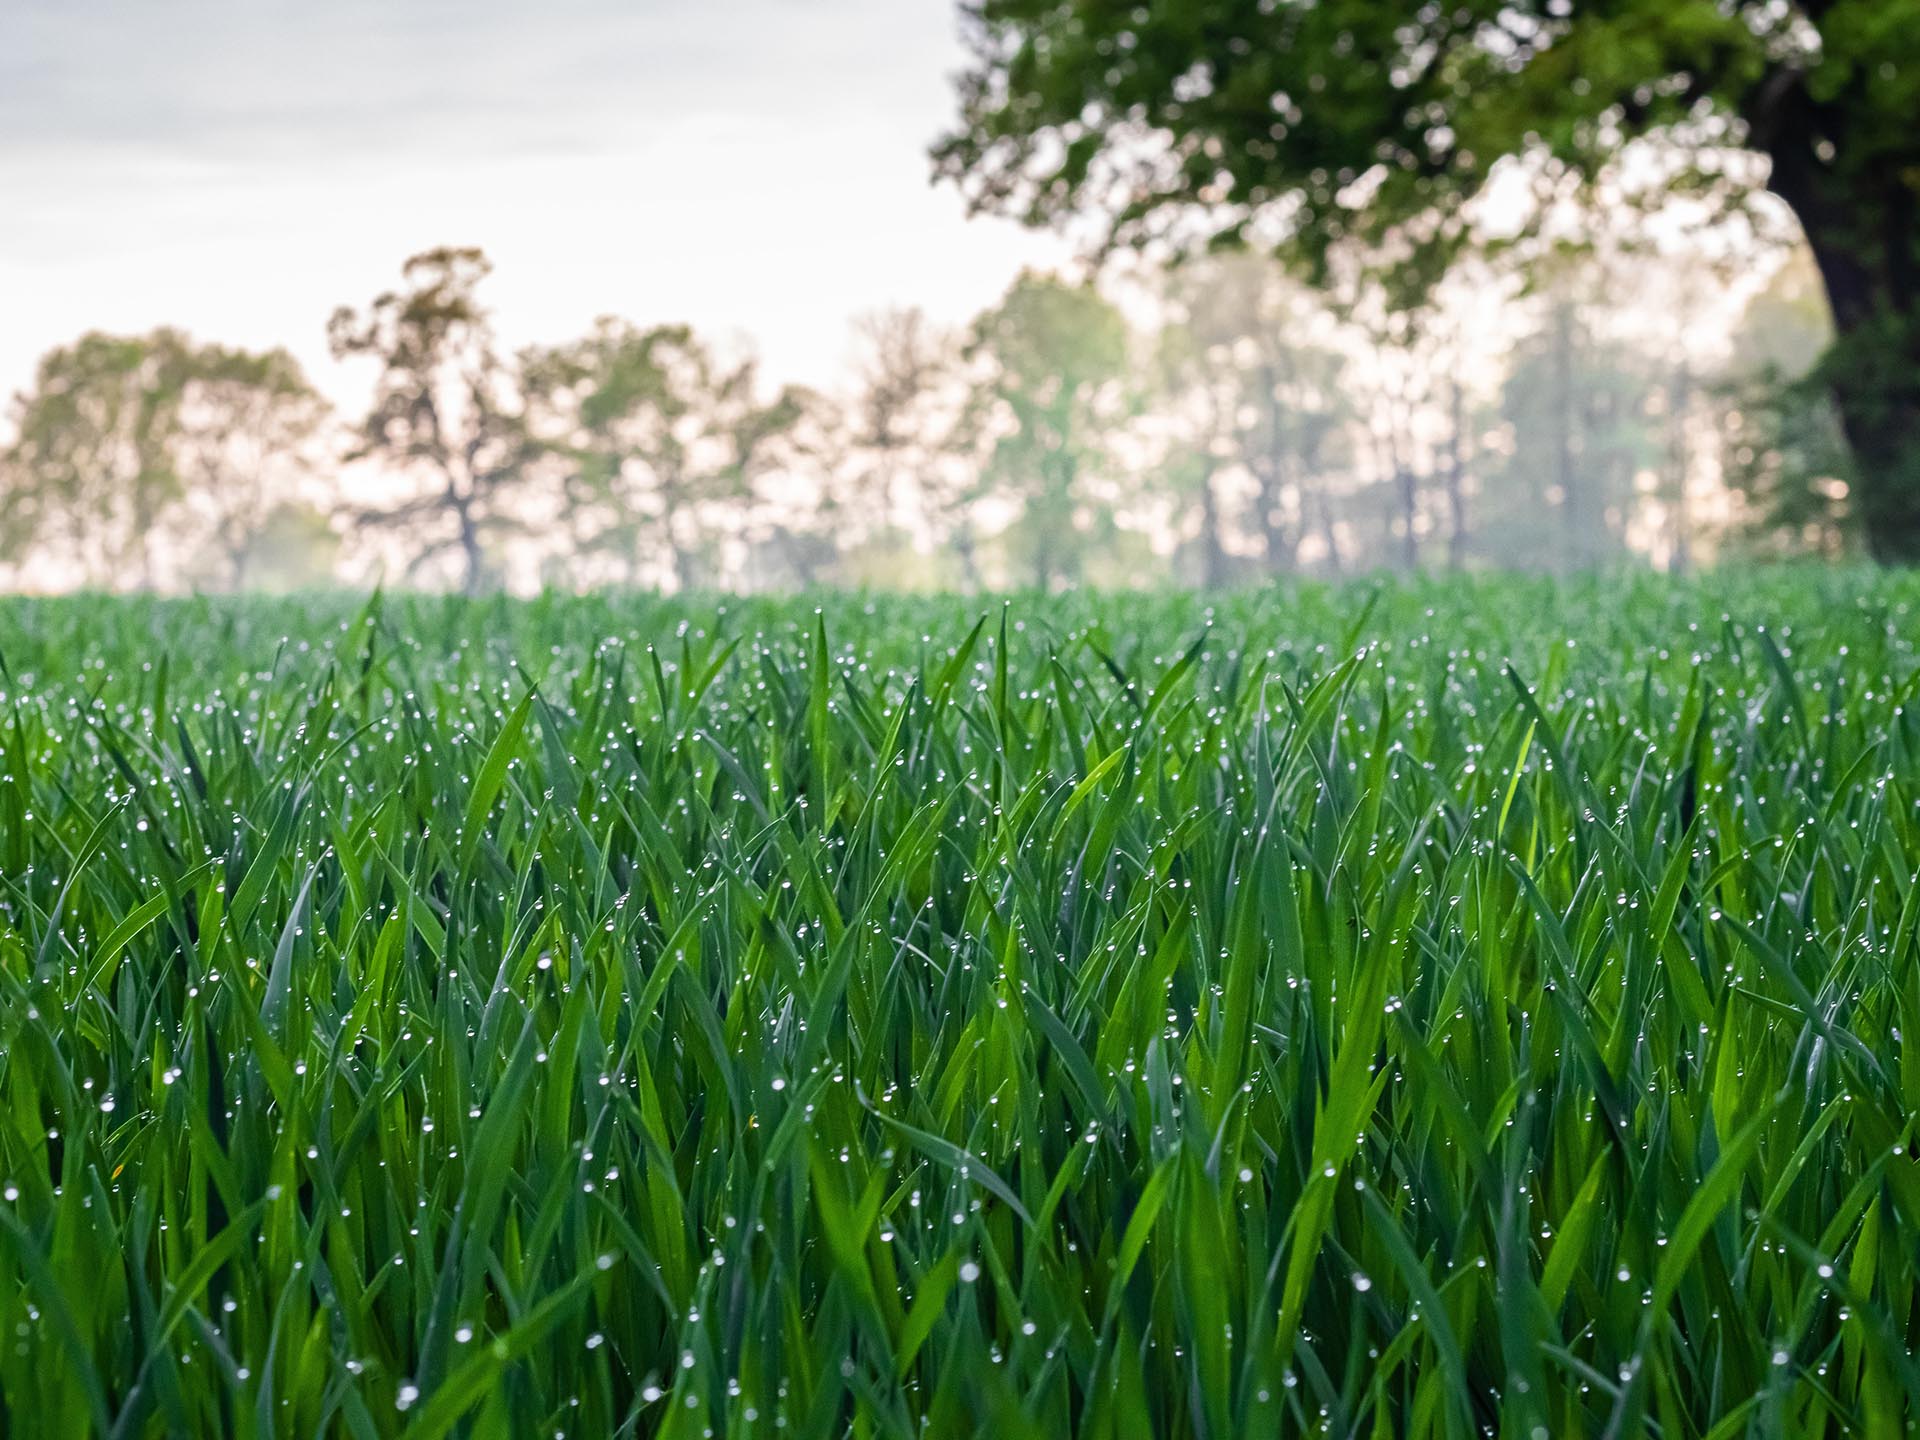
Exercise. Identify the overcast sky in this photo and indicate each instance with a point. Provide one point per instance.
(240, 167)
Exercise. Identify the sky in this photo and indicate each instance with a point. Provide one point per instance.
(756, 168)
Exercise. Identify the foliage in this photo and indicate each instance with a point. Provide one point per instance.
(1264, 427)
(126, 441)
(446, 414)
(903, 370)
(1782, 447)
(1575, 404)
(1053, 362)
(1433, 1009)
(1368, 121)
(246, 424)
(90, 458)
(1787, 459)
(656, 429)
(1247, 355)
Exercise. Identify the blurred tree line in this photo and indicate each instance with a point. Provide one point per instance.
(1214, 423)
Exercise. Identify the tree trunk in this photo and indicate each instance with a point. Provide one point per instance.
(1564, 474)
(1409, 516)
(680, 550)
(1861, 226)
(1279, 550)
(1330, 533)
(473, 560)
(1213, 554)
(143, 520)
(683, 562)
(1881, 430)
(1456, 479)
(1050, 518)
(1680, 403)
(1274, 542)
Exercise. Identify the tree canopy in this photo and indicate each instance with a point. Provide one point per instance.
(1052, 358)
(1358, 122)
(131, 446)
(446, 414)
(653, 428)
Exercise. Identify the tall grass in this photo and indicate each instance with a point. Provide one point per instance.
(1479, 1009)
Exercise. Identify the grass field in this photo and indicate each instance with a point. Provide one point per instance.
(1095, 1016)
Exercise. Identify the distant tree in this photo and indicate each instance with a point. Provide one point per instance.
(1051, 364)
(603, 406)
(1445, 334)
(902, 369)
(914, 459)
(1413, 385)
(1575, 405)
(660, 437)
(92, 471)
(1355, 120)
(447, 419)
(135, 450)
(1457, 453)
(1399, 389)
(1252, 354)
(246, 423)
(1677, 308)
(1402, 392)
(1198, 400)
(791, 504)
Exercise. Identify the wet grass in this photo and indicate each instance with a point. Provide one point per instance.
(1431, 1010)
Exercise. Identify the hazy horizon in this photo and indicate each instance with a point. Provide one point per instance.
(758, 170)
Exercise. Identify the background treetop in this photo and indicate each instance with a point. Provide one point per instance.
(1359, 119)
